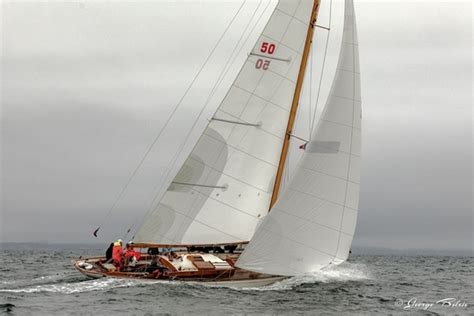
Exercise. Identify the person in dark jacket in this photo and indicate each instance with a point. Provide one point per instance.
(108, 252)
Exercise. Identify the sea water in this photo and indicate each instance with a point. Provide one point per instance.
(40, 280)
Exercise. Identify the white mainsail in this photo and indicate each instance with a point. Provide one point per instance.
(225, 186)
(313, 222)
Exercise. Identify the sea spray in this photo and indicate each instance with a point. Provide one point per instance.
(369, 282)
(342, 273)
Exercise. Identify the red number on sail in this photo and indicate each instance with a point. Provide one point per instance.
(267, 48)
(262, 64)
(271, 48)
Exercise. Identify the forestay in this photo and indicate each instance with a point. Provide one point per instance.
(225, 186)
(313, 222)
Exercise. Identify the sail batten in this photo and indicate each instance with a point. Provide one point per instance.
(242, 157)
(313, 221)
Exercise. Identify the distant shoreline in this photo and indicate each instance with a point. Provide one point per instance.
(355, 250)
(413, 252)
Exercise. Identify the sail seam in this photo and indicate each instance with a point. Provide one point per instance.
(292, 16)
(231, 206)
(241, 151)
(247, 104)
(319, 198)
(338, 96)
(341, 124)
(289, 23)
(258, 84)
(344, 98)
(271, 57)
(322, 72)
(350, 43)
(202, 223)
(306, 48)
(220, 106)
(151, 207)
(296, 242)
(233, 128)
(349, 71)
(344, 233)
(200, 185)
(262, 126)
(283, 78)
(352, 131)
(307, 219)
(328, 227)
(142, 160)
(262, 82)
(339, 150)
(232, 177)
(284, 45)
(262, 98)
(273, 72)
(236, 122)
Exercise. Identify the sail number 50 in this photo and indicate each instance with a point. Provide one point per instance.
(268, 48)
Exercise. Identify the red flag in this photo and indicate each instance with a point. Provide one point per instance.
(303, 146)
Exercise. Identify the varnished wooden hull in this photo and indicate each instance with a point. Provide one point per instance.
(239, 279)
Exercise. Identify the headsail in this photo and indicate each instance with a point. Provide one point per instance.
(313, 222)
(225, 185)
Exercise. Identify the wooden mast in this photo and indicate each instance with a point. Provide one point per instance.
(294, 104)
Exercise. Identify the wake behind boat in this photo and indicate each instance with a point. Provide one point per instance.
(230, 189)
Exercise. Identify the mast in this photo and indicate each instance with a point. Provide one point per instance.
(295, 102)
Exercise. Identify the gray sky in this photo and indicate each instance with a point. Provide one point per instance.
(86, 88)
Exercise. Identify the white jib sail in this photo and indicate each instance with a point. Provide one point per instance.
(225, 185)
(313, 222)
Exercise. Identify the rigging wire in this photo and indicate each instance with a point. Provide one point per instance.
(142, 160)
(298, 113)
(218, 82)
(322, 71)
(221, 77)
(310, 123)
(312, 118)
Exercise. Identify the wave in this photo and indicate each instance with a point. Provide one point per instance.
(76, 287)
(345, 272)
(45, 279)
(71, 283)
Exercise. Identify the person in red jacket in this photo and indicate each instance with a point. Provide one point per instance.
(117, 253)
(131, 255)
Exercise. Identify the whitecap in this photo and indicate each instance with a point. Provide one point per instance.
(345, 272)
(77, 287)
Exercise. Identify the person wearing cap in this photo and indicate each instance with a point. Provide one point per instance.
(117, 253)
(131, 255)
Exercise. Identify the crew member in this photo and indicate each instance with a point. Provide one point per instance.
(131, 255)
(108, 253)
(117, 253)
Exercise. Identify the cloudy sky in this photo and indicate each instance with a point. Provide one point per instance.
(86, 87)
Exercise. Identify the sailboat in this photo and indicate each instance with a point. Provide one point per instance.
(227, 218)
